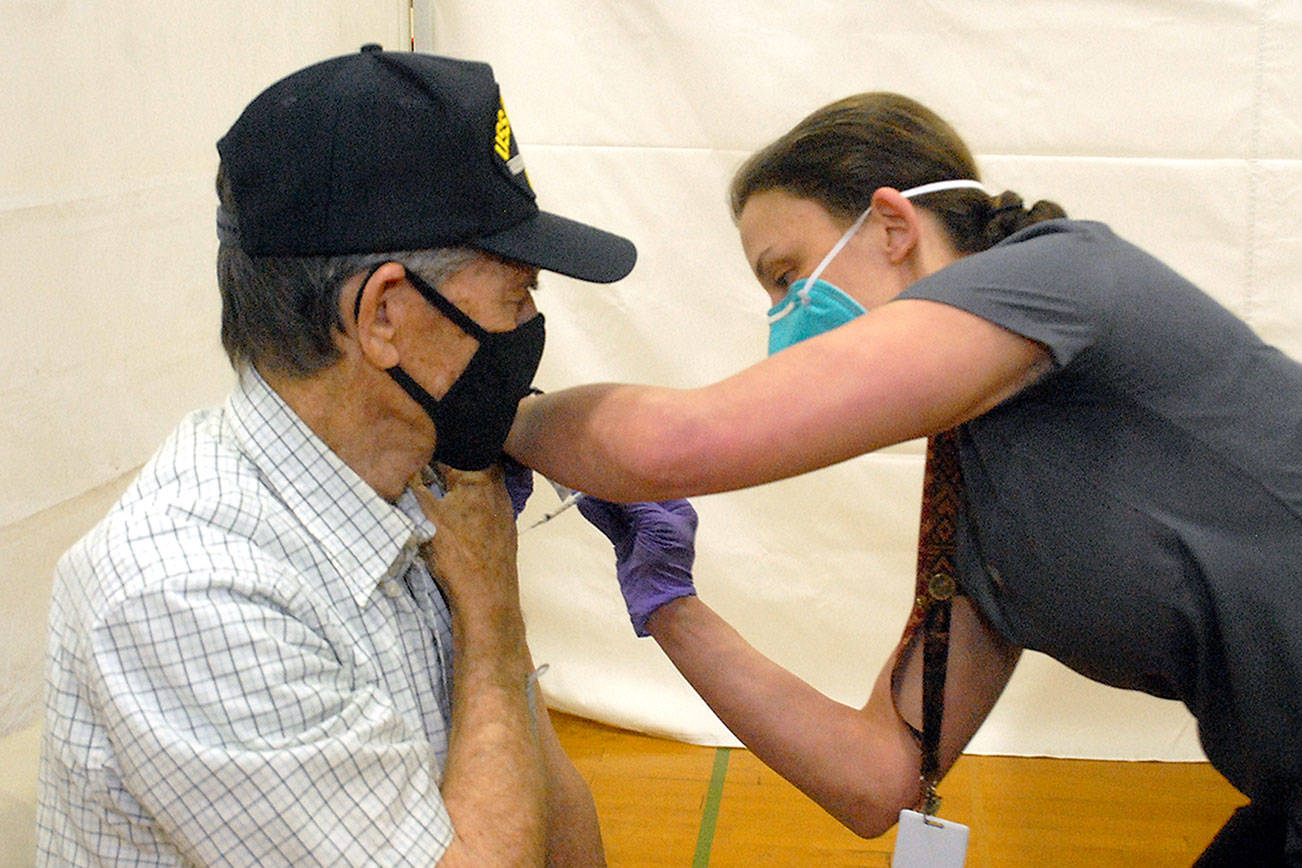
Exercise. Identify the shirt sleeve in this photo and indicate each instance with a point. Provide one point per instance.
(1043, 283)
(251, 729)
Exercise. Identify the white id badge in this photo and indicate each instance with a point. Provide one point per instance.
(929, 842)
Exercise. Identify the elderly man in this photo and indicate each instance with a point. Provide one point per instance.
(281, 647)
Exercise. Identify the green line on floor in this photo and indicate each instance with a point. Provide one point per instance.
(710, 814)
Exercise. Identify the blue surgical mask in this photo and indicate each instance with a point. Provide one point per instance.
(813, 306)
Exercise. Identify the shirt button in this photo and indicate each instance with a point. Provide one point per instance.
(391, 589)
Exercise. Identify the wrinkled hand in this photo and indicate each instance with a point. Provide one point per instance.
(519, 483)
(472, 554)
(655, 544)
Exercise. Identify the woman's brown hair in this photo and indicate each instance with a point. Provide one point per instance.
(842, 153)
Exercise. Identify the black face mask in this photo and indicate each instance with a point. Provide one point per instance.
(474, 417)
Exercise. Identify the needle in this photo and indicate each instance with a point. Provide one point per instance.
(570, 500)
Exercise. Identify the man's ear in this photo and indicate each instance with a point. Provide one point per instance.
(376, 302)
(900, 220)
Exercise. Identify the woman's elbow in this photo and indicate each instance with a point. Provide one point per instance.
(874, 806)
(871, 820)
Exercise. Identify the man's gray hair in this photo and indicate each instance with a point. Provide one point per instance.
(281, 314)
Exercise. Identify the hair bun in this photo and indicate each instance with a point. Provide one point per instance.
(1008, 214)
(1004, 202)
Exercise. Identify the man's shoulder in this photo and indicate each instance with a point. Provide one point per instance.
(199, 505)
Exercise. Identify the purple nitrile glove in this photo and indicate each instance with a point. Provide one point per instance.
(519, 483)
(655, 544)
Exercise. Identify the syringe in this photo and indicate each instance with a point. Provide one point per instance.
(569, 497)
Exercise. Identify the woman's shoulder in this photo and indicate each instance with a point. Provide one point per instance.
(1062, 237)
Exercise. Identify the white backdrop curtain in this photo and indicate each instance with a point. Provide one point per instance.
(1177, 123)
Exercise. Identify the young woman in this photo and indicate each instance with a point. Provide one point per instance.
(1131, 455)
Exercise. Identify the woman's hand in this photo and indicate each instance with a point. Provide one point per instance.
(655, 545)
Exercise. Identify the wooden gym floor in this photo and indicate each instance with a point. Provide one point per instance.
(663, 803)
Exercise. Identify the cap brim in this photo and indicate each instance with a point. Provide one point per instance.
(555, 243)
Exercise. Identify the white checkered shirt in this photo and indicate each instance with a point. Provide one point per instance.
(248, 663)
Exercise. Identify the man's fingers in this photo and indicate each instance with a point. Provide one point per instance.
(426, 498)
(452, 477)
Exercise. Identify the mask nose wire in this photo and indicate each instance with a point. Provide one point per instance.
(786, 309)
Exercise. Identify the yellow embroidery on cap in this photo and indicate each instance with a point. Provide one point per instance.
(502, 142)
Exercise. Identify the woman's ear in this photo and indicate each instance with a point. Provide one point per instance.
(375, 302)
(900, 220)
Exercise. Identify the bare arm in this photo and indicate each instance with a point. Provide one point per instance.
(573, 834)
(495, 782)
(904, 370)
(860, 765)
(513, 794)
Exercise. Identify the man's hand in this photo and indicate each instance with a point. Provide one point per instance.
(472, 556)
(495, 780)
(655, 544)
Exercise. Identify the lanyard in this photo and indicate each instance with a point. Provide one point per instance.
(942, 499)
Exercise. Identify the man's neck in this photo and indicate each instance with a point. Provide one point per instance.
(351, 417)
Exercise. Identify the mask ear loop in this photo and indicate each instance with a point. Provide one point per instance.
(447, 308)
(357, 302)
(921, 190)
(938, 186)
(433, 296)
(802, 294)
(415, 390)
(401, 377)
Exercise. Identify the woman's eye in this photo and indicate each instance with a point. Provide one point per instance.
(783, 280)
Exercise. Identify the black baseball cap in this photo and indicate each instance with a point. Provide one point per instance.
(395, 150)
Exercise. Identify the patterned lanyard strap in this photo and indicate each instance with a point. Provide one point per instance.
(942, 500)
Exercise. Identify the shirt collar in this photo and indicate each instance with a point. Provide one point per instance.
(368, 539)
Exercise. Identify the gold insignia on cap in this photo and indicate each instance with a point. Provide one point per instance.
(505, 148)
(502, 140)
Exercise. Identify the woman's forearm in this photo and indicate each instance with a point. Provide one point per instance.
(853, 390)
(860, 765)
